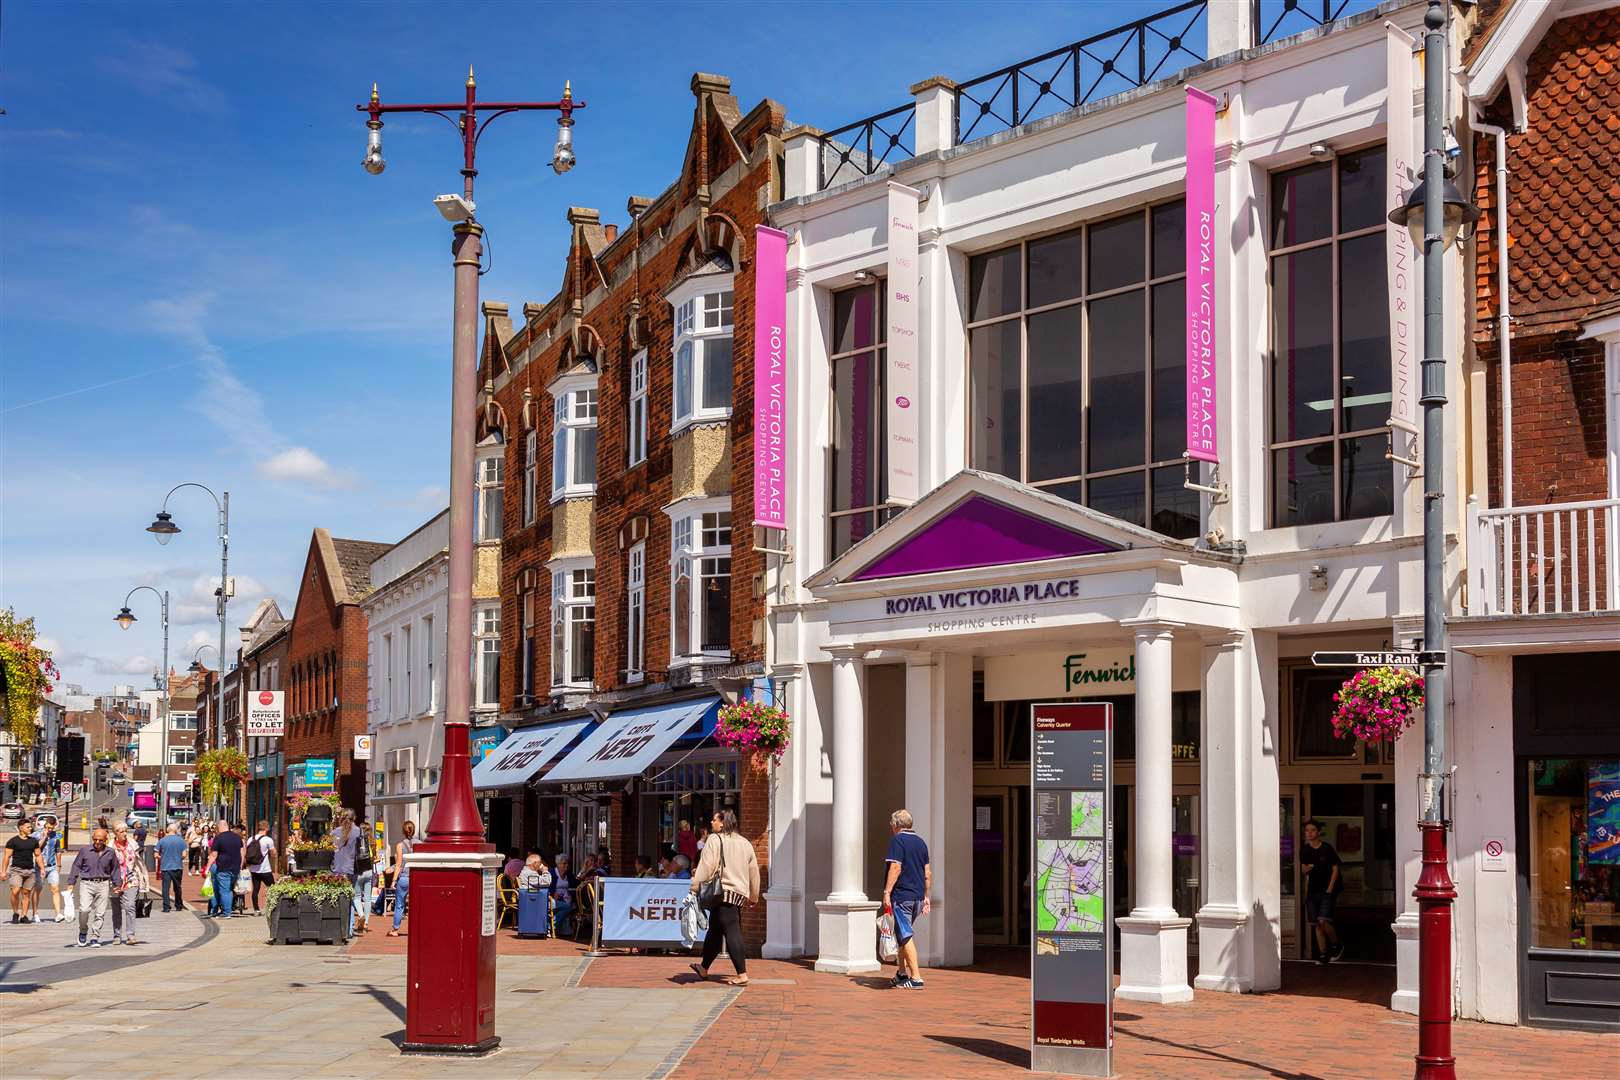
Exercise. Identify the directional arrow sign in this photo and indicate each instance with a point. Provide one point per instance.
(1378, 659)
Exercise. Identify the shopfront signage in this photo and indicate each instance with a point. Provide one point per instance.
(1080, 672)
(1403, 658)
(587, 788)
(266, 714)
(902, 383)
(362, 748)
(991, 596)
(1398, 253)
(770, 378)
(320, 772)
(525, 753)
(642, 911)
(482, 741)
(1201, 404)
(1072, 985)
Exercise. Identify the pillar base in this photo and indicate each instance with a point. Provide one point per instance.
(848, 936)
(1405, 997)
(1153, 958)
(780, 943)
(1224, 950)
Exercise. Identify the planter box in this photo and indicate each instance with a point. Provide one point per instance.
(319, 859)
(298, 922)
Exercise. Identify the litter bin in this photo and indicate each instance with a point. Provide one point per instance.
(533, 908)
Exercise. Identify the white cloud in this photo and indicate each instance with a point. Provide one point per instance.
(195, 604)
(301, 465)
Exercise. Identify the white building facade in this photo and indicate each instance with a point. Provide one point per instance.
(1056, 551)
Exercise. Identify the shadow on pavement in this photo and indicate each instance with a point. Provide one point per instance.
(392, 1003)
(1261, 1069)
(1017, 1056)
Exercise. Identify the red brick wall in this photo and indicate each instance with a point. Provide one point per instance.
(1559, 438)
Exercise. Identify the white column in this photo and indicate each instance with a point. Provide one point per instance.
(802, 161)
(1153, 938)
(1408, 846)
(939, 770)
(1225, 955)
(848, 921)
(784, 938)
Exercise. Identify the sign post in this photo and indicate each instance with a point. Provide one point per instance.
(1072, 983)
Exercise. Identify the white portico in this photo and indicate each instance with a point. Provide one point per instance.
(982, 569)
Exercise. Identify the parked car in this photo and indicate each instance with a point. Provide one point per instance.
(143, 817)
(11, 811)
(119, 778)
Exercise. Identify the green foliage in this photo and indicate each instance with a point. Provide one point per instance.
(322, 890)
(221, 770)
(26, 670)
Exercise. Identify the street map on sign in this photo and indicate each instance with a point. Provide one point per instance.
(1069, 886)
(1086, 814)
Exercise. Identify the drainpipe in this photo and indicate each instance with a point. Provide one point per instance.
(1504, 327)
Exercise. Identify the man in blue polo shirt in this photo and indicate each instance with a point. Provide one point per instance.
(905, 893)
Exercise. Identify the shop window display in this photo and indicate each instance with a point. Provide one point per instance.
(1574, 853)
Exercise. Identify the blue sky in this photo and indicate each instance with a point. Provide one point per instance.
(198, 282)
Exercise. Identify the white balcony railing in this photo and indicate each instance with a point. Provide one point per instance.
(1556, 558)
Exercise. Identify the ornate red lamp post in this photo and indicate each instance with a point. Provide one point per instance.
(450, 969)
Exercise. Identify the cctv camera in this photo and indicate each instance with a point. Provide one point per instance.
(455, 208)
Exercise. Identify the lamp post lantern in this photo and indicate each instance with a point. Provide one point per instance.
(125, 619)
(1434, 212)
(438, 1018)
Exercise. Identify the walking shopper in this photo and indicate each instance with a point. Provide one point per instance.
(50, 870)
(194, 846)
(20, 869)
(402, 874)
(1322, 887)
(365, 876)
(905, 893)
(730, 858)
(348, 842)
(95, 875)
(132, 870)
(259, 859)
(171, 852)
(224, 863)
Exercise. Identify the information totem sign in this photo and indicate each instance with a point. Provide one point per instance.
(1072, 987)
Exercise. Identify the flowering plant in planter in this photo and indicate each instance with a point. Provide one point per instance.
(299, 801)
(221, 770)
(304, 844)
(754, 728)
(321, 890)
(1378, 703)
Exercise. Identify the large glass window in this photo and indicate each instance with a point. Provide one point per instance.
(700, 585)
(487, 658)
(635, 615)
(573, 456)
(487, 513)
(859, 477)
(1330, 370)
(1076, 356)
(636, 419)
(703, 326)
(1574, 820)
(573, 627)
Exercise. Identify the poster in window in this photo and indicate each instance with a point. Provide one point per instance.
(1603, 813)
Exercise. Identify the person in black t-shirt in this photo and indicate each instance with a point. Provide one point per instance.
(1323, 883)
(20, 871)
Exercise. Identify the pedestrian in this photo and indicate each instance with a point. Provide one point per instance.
(644, 867)
(680, 868)
(535, 877)
(140, 835)
(365, 878)
(348, 843)
(224, 863)
(562, 896)
(171, 852)
(294, 838)
(95, 875)
(1323, 884)
(402, 873)
(20, 868)
(514, 866)
(194, 848)
(686, 841)
(730, 858)
(905, 893)
(50, 870)
(132, 870)
(259, 859)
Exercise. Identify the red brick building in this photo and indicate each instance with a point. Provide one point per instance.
(325, 676)
(628, 573)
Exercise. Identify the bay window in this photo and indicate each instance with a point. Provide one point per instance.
(636, 424)
(573, 450)
(573, 625)
(859, 474)
(1081, 334)
(635, 615)
(703, 325)
(488, 494)
(531, 453)
(1330, 359)
(700, 581)
(487, 657)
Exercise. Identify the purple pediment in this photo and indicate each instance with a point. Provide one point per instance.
(981, 532)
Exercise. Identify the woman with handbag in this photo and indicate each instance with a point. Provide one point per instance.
(364, 877)
(135, 882)
(727, 877)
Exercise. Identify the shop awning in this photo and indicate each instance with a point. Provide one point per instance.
(629, 741)
(525, 752)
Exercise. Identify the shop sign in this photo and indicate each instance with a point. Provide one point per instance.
(362, 748)
(266, 714)
(585, 788)
(295, 778)
(1400, 258)
(1200, 210)
(320, 772)
(482, 741)
(902, 383)
(1072, 969)
(642, 911)
(770, 378)
(1029, 592)
(1083, 672)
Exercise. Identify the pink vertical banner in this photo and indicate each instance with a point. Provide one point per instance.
(770, 378)
(1201, 402)
(1400, 157)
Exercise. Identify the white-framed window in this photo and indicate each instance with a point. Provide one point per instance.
(700, 580)
(573, 447)
(182, 721)
(526, 646)
(703, 325)
(487, 511)
(388, 675)
(182, 755)
(431, 696)
(573, 625)
(531, 457)
(487, 657)
(636, 421)
(635, 615)
(405, 651)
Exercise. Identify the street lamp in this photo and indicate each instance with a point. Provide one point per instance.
(126, 618)
(455, 834)
(1434, 213)
(163, 529)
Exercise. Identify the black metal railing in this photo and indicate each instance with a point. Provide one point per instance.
(1275, 19)
(861, 148)
(1113, 61)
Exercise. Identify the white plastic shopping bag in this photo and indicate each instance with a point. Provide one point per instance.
(68, 910)
(888, 948)
(694, 921)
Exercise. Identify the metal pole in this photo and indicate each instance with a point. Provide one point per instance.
(224, 572)
(163, 762)
(1435, 891)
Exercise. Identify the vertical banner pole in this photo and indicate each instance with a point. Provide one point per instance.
(1202, 444)
(770, 378)
(903, 383)
(1398, 254)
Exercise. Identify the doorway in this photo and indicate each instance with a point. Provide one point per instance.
(587, 829)
(1001, 861)
(1358, 819)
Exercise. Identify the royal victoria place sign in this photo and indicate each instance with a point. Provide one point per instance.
(984, 607)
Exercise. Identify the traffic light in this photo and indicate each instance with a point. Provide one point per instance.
(70, 758)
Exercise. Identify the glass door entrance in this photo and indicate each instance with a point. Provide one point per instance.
(1000, 865)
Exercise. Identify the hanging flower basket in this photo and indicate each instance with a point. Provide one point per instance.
(756, 729)
(26, 671)
(221, 771)
(1378, 704)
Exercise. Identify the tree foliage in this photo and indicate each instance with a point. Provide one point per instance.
(27, 672)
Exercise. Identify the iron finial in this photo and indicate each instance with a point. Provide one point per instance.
(470, 81)
(374, 93)
(568, 89)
